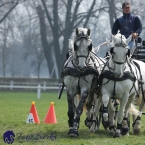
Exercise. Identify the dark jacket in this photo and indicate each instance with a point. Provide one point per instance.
(127, 24)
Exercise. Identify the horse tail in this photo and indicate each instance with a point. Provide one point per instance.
(133, 111)
(139, 100)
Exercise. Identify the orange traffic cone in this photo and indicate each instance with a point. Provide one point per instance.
(50, 116)
(34, 112)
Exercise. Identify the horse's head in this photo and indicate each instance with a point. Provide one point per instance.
(82, 47)
(119, 52)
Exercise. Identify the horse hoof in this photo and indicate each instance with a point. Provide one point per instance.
(106, 124)
(88, 122)
(117, 135)
(111, 133)
(92, 130)
(73, 133)
(136, 132)
(125, 131)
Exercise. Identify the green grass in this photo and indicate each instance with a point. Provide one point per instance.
(14, 110)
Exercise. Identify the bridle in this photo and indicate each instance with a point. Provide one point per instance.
(81, 37)
(119, 45)
(119, 63)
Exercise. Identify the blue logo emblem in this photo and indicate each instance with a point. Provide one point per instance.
(8, 137)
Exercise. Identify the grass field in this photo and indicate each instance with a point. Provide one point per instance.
(14, 110)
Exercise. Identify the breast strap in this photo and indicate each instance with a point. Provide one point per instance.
(74, 72)
(110, 76)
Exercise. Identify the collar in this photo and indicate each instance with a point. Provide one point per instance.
(127, 15)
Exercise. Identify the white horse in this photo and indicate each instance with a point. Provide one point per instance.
(80, 74)
(120, 80)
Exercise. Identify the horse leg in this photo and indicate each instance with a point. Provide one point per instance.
(137, 120)
(111, 117)
(73, 132)
(105, 119)
(97, 105)
(128, 110)
(120, 115)
(125, 123)
(89, 119)
(70, 112)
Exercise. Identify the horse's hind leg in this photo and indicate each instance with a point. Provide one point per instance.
(90, 109)
(136, 120)
(95, 124)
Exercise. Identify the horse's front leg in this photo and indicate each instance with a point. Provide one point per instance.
(105, 119)
(120, 115)
(74, 131)
(70, 112)
(111, 117)
(90, 109)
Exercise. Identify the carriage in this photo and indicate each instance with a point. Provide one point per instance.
(139, 52)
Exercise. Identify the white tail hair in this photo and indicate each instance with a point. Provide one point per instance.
(133, 111)
(138, 100)
(77, 100)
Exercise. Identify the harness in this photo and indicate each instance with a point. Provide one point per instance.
(76, 73)
(140, 83)
(108, 74)
(91, 68)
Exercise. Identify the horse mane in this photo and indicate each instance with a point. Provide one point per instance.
(82, 32)
(119, 40)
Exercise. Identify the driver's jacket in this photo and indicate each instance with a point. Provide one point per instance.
(127, 24)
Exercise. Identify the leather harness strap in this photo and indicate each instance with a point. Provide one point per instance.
(110, 76)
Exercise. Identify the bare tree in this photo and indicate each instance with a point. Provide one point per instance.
(62, 27)
(13, 3)
(4, 47)
(112, 11)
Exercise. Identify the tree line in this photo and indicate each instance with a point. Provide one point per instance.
(39, 30)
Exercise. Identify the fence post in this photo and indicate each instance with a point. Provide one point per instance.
(44, 85)
(38, 91)
(11, 85)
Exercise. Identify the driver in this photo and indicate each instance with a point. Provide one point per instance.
(128, 24)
